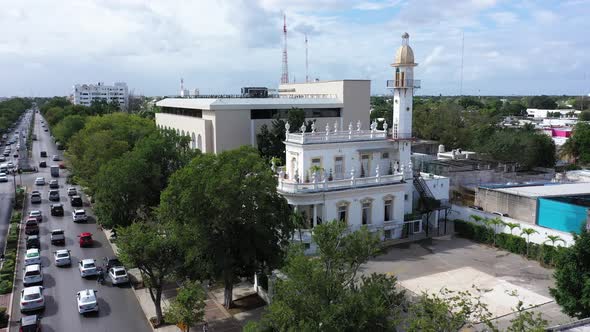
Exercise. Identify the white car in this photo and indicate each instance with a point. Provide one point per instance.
(10, 165)
(3, 177)
(118, 275)
(72, 191)
(55, 158)
(40, 181)
(87, 301)
(37, 215)
(79, 215)
(31, 298)
(32, 257)
(87, 268)
(33, 275)
(62, 258)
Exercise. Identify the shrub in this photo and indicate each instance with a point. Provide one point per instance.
(3, 317)
(5, 286)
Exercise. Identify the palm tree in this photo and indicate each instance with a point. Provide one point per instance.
(512, 225)
(476, 218)
(299, 221)
(554, 239)
(528, 232)
(494, 223)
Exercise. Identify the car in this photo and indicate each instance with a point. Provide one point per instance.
(33, 242)
(2, 158)
(87, 268)
(10, 165)
(6, 153)
(55, 158)
(15, 155)
(33, 275)
(72, 191)
(53, 184)
(62, 257)
(30, 323)
(45, 130)
(32, 256)
(87, 301)
(62, 166)
(57, 209)
(500, 214)
(476, 207)
(118, 275)
(43, 164)
(35, 197)
(58, 237)
(79, 215)
(85, 239)
(76, 201)
(111, 261)
(43, 154)
(31, 226)
(40, 181)
(54, 195)
(36, 214)
(3, 177)
(31, 299)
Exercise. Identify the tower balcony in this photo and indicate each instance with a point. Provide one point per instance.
(403, 84)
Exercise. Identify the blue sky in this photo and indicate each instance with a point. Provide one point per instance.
(218, 46)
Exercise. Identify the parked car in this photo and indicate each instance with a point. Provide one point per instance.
(31, 226)
(31, 298)
(79, 215)
(55, 158)
(40, 181)
(57, 209)
(43, 154)
(54, 195)
(3, 177)
(118, 275)
(87, 268)
(72, 191)
(62, 257)
(30, 323)
(33, 275)
(76, 201)
(32, 256)
(112, 261)
(62, 166)
(36, 214)
(58, 237)
(43, 164)
(33, 242)
(53, 184)
(87, 301)
(85, 239)
(35, 197)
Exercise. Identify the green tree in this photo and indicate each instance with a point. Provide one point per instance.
(554, 239)
(528, 232)
(584, 116)
(270, 141)
(230, 201)
(68, 127)
(324, 293)
(188, 307)
(578, 145)
(155, 252)
(512, 226)
(495, 223)
(542, 102)
(572, 277)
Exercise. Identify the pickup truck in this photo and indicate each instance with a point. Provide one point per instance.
(58, 237)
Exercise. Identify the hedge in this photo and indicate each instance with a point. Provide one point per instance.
(3, 317)
(543, 253)
(7, 271)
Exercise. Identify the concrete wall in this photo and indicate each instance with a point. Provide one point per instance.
(189, 125)
(438, 185)
(517, 207)
(464, 213)
(232, 129)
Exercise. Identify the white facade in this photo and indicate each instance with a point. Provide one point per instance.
(84, 94)
(542, 113)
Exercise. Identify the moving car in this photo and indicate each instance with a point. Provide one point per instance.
(33, 242)
(40, 181)
(43, 164)
(43, 154)
(32, 256)
(87, 301)
(87, 268)
(55, 158)
(72, 191)
(33, 275)
(3, 177)
(76, 200)
(54, 195)
(31, 323)
(62, 257)
(85, 239)
(79, 215)
(31, 226)
(31, 298)
(53, 184)
(36, 214)
(112, 261)
(118, 275)
(57, 209)
(35, 196)
(58, 237)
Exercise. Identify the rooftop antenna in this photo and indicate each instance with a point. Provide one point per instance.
(285, 73)
(462, 55)
(306, 62)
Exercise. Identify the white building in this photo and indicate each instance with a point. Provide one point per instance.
(543, 113)
(359, 175)
(85, 94)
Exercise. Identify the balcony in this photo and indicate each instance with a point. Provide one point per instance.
(391, 84)
(337, 136)
(293, 187)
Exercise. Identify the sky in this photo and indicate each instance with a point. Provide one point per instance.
(218, 46)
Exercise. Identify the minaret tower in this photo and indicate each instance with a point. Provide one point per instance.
(403, 85)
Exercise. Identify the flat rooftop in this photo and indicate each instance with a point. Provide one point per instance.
(548, 190)
(249, 103)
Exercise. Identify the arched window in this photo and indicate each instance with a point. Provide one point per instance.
(199, 142)
(193, 141)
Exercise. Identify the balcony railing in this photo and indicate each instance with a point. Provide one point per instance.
(306, 234)
(290, 186)
(403, 84)
(340, 136)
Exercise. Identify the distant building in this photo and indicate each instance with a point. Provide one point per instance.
(85, 94)
(542, 113)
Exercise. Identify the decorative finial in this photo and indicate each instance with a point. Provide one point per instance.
(350, 127)
(313, 127)
(358, 125)
(327, 129)
(302, 128)
(335, 126)
(385, 125)
(287, 126)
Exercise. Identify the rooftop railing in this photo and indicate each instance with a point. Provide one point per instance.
(290, 186)
(403, 84)
(336, 135)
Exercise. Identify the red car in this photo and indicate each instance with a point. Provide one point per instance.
(62, 165)
(85, 239)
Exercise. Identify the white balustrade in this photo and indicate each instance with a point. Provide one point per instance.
(339, 136)
(290, 186)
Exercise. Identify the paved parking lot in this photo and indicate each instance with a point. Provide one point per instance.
(457, 264)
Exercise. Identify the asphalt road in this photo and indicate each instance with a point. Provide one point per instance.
(119, 308)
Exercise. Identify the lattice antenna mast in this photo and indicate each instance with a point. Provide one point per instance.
(306, 62)
(285, 74)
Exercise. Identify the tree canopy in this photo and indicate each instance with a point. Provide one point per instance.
(578, 145)
(542, 102)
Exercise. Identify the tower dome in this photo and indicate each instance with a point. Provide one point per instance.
(404, 55)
